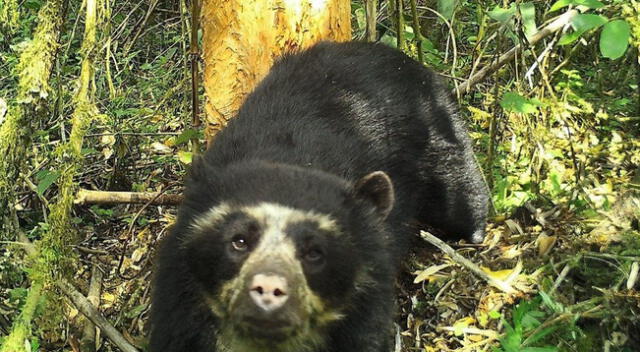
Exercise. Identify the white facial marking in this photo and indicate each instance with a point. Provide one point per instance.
(211, 217)
(274, 219)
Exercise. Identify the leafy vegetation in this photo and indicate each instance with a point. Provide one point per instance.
(556, 130)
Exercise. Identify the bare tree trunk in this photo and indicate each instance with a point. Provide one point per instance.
(243, 37)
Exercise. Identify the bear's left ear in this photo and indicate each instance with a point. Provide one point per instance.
(376, 188)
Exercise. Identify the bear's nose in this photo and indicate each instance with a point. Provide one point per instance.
(268, 291)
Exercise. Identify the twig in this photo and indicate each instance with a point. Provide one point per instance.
(560, 278)
(452, 37)
(564, 316)
(633, 275)
(91, 250)
(94, 315)
(88, 340)
(130, 234)
(133, 134)
(140, 25)
(501, 285)
(470, 330)
(194, 54)
(553, 27)
(86, 196)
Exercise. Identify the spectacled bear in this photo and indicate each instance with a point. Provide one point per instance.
(295, 219)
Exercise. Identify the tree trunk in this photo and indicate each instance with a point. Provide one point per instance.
(241, 39)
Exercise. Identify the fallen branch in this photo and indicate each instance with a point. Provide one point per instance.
(553, 27)
(88, 340)
(83, 304)
(85, 196)
(501, 285)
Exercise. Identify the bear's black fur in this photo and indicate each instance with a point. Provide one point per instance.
(311, 137)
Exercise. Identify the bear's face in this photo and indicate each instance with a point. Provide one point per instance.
(276, 276)
(272, 274)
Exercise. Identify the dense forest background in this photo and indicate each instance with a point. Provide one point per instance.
(97, 95)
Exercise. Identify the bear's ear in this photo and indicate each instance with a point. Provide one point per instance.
(376, 188)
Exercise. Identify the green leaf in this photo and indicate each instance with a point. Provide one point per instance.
(187, 135)
(528, 12)
(549, 302)
(446, 7)
(542, 333)
(592, 4)
(560, 4)
(135, 311)
(171, 52)
(502, 15)
(389, 40)
(45, 179)
(582, 23)
(494, 315)
(18, 294)
(614, 39)
(361, 18)
(538, 349)
(511, 342)
(529, 322)
(32, 4)
(515, 102)
(427, 45)
(185, 157)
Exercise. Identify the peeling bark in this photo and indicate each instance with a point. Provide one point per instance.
(242, 38)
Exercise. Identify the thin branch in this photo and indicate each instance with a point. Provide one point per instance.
(94, 315)
(88, 341)
(452, 37)
(553, 27)
(194, 54)
(501, 285)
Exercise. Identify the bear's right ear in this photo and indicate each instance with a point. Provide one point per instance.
(376, 188)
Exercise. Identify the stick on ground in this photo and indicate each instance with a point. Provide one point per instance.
(83, 305)
(88, 341)
(86, 196)
(501, 285)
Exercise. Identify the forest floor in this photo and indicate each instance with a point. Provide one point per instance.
(570, 283)
(556, 130)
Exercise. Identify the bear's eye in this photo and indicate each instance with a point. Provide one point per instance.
(314, 255)
(239, 243)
